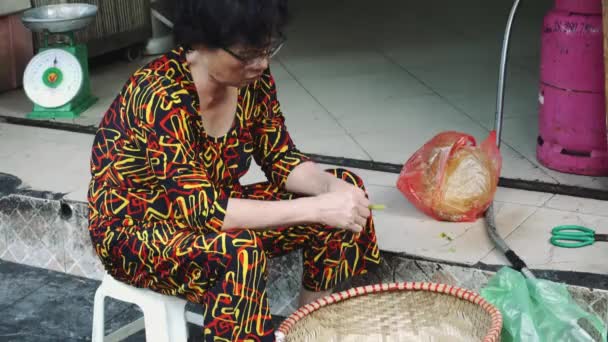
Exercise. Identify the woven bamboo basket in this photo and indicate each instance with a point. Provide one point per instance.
(395, 312)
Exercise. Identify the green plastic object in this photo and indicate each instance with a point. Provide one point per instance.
(537, 310)
(571, 236)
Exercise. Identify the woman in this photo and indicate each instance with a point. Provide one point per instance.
(167, 211)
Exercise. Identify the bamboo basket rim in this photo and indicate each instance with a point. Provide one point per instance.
(493, 334)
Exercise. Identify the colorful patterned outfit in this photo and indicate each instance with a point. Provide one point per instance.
(159, 192)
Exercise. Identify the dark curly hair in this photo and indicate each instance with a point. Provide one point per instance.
(223, 23)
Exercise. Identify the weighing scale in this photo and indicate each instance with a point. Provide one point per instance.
(56, 80)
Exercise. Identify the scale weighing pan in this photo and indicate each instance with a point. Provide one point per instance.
(59, 18)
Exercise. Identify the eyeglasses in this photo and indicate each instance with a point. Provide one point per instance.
(251, 56)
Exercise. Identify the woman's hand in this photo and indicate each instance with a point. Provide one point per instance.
(345, 208)
(338, 185)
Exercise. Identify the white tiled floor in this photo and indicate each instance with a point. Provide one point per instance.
(529, 198)
(365, 95)
(58, 161)
(45, 159)
(546, 256)
(578, 205)
(376, 80)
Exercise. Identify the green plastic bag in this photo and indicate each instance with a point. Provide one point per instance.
(536, 310)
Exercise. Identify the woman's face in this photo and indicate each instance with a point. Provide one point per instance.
(235, 66)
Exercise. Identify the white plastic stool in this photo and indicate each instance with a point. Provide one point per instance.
(165, 317)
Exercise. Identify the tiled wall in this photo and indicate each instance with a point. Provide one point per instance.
(32, 233)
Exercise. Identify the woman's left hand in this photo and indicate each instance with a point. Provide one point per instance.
(338, 185)
(309, 179)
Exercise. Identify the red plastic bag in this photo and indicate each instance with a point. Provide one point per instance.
(451, 178)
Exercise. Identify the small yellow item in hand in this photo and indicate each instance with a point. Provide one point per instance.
(377, 207)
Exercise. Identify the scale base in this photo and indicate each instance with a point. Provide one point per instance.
(71, 110)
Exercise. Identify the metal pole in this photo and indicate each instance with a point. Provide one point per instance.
(502, 75)
(500, 98)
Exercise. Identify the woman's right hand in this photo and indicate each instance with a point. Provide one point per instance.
(343, 209)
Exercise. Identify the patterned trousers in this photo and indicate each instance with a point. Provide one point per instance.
(226, 272)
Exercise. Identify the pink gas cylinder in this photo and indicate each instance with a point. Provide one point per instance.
(572, 109)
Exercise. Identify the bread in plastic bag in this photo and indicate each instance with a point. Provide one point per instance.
(450, 178)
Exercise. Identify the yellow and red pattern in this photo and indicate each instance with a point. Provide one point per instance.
(159, 191)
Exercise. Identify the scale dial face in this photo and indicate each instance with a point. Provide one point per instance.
(53, 78)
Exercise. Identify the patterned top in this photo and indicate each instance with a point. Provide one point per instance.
(152, 161)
